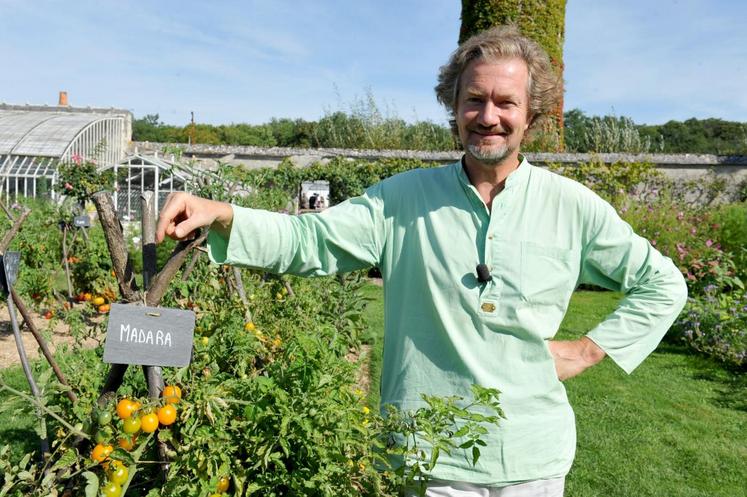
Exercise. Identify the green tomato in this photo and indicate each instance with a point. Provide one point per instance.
(119, 474)
(111, 489)
(103, 436)
(105, 417)
(131, 425)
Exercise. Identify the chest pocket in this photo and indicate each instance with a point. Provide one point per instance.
(548, 274)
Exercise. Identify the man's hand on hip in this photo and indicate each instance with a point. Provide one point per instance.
(572, 357)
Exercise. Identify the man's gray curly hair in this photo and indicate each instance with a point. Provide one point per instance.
(496, 43)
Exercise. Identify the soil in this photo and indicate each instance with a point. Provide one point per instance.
(54, 330)
(363, 374)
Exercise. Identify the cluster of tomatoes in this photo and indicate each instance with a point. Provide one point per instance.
(133, 419)
(99, 302)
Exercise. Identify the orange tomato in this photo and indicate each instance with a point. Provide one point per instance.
(87, 296)
(167, 415)
(172, 394)
(125, 408)
(149, 423)
(101, 452)
(127, 443)
(103, 309)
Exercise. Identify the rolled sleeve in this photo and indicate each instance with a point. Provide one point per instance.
(655, 291)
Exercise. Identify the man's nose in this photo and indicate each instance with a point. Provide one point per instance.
(490, 114)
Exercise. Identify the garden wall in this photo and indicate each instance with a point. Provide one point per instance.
(680, 167)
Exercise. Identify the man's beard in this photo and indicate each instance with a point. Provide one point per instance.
(489, 155)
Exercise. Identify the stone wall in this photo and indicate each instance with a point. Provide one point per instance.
(680, 167)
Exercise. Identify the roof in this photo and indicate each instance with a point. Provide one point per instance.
(43, 133)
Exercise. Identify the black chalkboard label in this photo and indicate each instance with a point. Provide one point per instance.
(82, 222)
(150, 336)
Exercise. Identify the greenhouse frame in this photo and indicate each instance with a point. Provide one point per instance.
(35, 140)
(137, 173)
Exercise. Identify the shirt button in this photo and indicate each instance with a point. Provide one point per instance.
(490, 237)
(487, 307)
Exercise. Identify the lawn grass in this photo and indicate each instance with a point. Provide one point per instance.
(374, 315)
(676, 427)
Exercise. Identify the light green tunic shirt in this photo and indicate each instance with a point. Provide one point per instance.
(427, 230)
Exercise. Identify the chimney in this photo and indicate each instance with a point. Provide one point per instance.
(63, 99)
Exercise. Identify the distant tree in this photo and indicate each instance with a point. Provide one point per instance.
(713, 136)
(541, 20)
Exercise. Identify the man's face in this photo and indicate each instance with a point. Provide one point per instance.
(492, 111)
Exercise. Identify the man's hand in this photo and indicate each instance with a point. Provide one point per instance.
(572, 357)
(184, 213)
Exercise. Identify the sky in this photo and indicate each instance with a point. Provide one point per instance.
(252, 60)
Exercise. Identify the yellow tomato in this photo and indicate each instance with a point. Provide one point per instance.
(101, 452)
(127, 443)
(223, 483)
(172, 394)
(167, 415)
(125, 408)
(149, 423)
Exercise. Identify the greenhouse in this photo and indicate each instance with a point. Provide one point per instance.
(138, 173)
(33, 140)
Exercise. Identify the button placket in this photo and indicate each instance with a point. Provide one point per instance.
(490, 296)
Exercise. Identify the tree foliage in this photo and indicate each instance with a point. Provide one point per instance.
(583, 133)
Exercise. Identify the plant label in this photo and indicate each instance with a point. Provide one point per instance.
(82, 222)
(10, 262)
(149, 336)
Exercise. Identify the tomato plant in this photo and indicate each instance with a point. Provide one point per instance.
(271, 406)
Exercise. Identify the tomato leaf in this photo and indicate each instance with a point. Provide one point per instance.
(92, 485)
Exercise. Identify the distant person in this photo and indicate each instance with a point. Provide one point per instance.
(320, 202)
(312, 201)
(479, 260)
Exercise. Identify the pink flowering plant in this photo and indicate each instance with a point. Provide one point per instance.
(689, 237)
(80, 177)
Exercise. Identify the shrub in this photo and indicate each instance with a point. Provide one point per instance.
(730, 225)
(716, 324)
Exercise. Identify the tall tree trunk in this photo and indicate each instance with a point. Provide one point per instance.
(541, 20)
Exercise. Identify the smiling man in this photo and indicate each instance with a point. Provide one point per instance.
(479, 260)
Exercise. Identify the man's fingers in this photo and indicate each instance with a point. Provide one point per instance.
(183, 229)
(167, 220)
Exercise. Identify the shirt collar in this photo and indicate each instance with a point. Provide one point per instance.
(518, 176)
